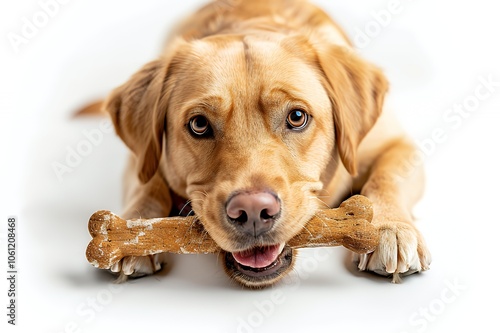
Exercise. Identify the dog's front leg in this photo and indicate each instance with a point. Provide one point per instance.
(143, 201)
(394, 184)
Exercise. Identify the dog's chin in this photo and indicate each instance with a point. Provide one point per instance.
(259, 267)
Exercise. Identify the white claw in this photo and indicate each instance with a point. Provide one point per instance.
(363, 262)
(116, 267)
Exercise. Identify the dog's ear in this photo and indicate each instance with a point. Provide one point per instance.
(137, 117)
(138, 108)
(356, 89)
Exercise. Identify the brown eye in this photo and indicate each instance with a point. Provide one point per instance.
(199, 126)
(297, 119)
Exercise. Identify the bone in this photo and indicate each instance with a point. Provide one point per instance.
(114, 238)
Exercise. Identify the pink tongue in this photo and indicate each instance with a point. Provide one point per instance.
(258, 257)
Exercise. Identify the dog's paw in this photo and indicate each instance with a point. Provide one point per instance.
(401, 251)
(137, 266)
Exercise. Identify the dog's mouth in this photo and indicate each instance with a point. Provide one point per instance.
(259, 266)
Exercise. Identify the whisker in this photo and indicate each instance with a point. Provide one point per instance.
(197, 199)
(321, 201)
(325, 225)
(204, 193)
(304, 227)
(218, 254)
(188, 203)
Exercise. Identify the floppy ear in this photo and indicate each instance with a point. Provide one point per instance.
(357, 90)
(138, 118)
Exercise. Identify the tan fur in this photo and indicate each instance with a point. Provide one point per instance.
(244, 65)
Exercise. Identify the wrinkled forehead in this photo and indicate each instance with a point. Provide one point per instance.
(248, 69)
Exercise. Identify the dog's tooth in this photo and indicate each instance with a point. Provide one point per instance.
(282, 246)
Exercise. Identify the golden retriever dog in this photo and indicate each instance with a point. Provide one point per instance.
(257, 114)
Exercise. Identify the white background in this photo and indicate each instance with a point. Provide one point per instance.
(434, 53)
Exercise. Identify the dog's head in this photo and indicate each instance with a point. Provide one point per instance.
(249, 129)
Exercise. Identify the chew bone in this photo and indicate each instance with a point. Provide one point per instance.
(115, 238)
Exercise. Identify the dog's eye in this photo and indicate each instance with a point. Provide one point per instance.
(297, 119)
(199, 126)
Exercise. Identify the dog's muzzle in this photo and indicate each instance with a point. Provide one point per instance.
(259, 266)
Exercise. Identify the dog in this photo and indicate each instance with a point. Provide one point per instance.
(257, 114)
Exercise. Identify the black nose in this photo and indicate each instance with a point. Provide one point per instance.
(253, 212)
